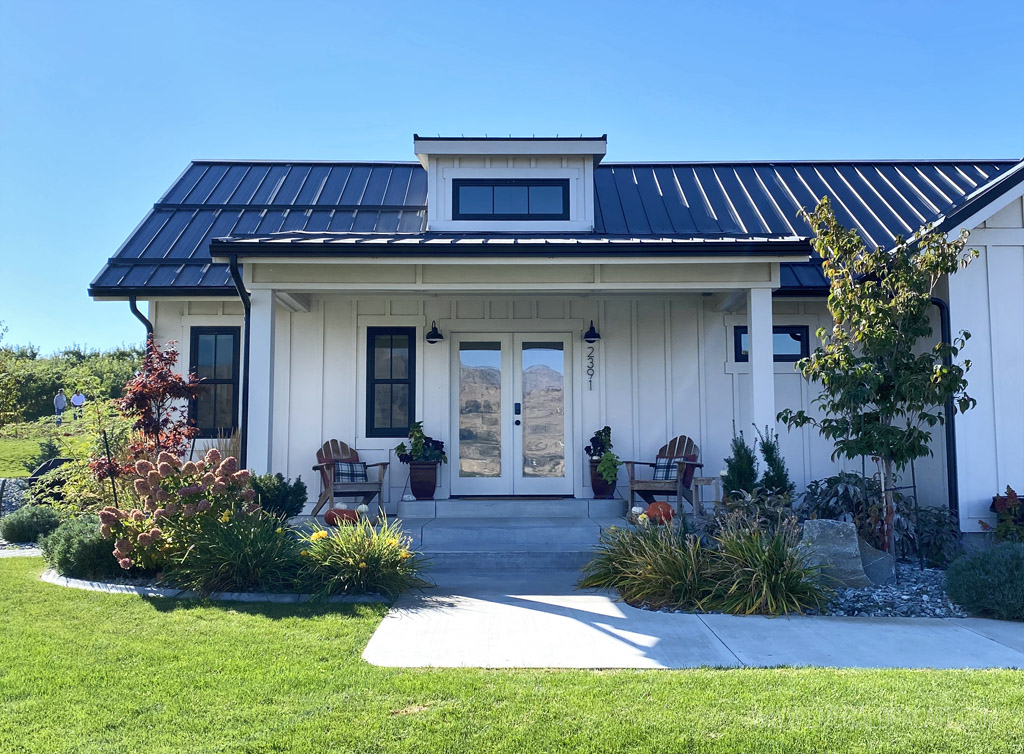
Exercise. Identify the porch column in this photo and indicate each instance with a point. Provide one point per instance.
(761, 350)
(261, 381)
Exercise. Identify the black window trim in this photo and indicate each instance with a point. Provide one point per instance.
(371, 381)
(458, 183)
(209, 433)
(738, 331)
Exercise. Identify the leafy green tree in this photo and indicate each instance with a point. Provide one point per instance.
(880, 393)
(9, 409)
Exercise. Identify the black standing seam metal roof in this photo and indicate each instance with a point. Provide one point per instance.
(672, 204)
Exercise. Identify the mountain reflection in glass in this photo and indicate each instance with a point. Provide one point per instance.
(480, 409)
(543, 409)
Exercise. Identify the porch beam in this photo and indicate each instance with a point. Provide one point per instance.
(261, 381)
(761, 350)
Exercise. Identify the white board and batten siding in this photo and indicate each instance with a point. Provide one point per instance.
(987, 299)
(664, 366)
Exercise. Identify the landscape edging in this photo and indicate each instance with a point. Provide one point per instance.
(52, 577)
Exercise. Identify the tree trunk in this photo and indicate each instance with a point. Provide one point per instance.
(888, 507)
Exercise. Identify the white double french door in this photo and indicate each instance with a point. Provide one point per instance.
(511, 414)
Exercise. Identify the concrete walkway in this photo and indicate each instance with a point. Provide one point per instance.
(540, 621)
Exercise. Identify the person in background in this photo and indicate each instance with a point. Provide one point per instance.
(60, 405)
(77, 401)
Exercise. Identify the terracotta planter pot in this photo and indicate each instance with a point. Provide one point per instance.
(339, 516)
(423, 480)
(602, 490)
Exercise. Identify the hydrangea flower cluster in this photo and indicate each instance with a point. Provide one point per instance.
(173, 497)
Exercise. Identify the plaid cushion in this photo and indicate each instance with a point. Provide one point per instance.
(665, 469)
(346, 473)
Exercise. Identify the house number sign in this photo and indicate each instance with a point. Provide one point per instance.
(590, 367)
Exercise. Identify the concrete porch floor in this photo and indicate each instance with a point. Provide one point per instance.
(538, 620)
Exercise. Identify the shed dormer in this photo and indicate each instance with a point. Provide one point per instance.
(510, 184)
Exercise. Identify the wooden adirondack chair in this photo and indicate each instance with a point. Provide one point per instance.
(679, 448)
(334, 452)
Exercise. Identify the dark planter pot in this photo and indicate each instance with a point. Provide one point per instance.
(602, 490)
(423, 480)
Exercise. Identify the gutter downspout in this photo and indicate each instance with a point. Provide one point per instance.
(134, 306)
(952, 478)
(246, 305)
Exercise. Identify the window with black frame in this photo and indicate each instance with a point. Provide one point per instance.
(214, 360)
(510, 199)
(390, 380)
(789, 342)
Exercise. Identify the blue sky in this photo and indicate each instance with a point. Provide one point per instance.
(102, 104)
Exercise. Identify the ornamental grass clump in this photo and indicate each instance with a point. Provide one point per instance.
(238, 551)
(175, 500)
(760, 569)
(990, 582)
(656, 566)
(359, 559)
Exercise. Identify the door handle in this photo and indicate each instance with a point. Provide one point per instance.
(518, 410)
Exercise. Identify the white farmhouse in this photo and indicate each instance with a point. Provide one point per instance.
(305, 292)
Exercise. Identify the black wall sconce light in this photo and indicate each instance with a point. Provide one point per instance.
(591, 335)
(434, 336)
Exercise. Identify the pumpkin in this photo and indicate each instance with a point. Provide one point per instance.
(339, 516)
(659, 512)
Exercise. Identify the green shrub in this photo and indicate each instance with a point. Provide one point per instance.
(77, 549)
(775, 481)
(658, 566)
(990, 582)
(278, 496)
(740, 469)
(858, 499)
(28, 523)
(249, 552)
(761, 570)
(938, 537)
(359, 559)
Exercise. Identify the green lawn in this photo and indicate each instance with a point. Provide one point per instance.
(14, 453)
(86, 672)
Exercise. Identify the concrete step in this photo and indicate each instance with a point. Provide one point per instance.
(468, 561)
(512, 508)
(495, 532)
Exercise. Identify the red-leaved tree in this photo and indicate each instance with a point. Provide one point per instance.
(158, 398)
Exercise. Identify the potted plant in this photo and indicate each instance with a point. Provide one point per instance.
(604, 465)
(423, 454)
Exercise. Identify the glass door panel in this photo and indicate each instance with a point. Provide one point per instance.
(480, 409)
(542, 428)
(542, 372)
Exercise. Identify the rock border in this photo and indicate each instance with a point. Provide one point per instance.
(52, 577)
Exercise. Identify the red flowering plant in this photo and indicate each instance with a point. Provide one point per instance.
(176, 500)
(1009, 512)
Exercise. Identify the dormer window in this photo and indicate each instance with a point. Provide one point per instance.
(510, 199)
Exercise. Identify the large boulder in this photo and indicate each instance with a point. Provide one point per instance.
(835, 546)
(879, 566)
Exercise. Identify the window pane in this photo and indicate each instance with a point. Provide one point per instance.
(224, 400)
(205, 407)
(788, 343)
(225, 357)
(543, 381)
(546, 200)
(744, 345)
(399, 357)
(205, 355)
(382, 406)
(480, 409)
(510, 200)
(382, 357)
(475, 200)
(400, 406)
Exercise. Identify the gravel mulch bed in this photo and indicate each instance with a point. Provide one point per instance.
(14, 495)
(916, 594)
